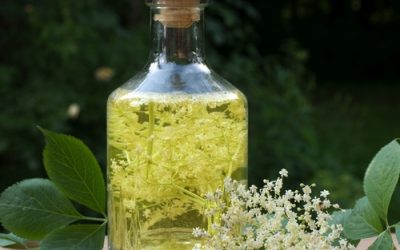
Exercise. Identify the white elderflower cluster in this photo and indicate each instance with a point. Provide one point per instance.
(270, 218)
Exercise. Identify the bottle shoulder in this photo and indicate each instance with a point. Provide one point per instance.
(193, 78)
(199, 88)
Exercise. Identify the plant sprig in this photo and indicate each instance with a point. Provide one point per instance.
(369, 217)
(41, 209)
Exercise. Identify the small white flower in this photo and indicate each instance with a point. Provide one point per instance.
(326, 204)
(198, 232)
(325, 193)
(297, 197)
(307, 190)
(209, 196)
(283, 172)
(289, 194)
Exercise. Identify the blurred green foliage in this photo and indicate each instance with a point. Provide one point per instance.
(60, 59)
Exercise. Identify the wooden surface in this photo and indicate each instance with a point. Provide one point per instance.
(364, 244)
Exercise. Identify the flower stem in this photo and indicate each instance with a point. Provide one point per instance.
(150, 138)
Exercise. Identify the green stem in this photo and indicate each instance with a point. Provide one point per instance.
(387, 224)
(196, 197)
(104, 220)
(388, 227)
(150, 139)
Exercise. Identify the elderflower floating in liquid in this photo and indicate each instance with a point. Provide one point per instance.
(166, 152)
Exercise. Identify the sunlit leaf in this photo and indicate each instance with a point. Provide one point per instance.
(35, 207)
(73, 168)
(381, 178)
(75, 237)
(362, 222)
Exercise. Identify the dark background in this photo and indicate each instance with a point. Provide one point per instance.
(322, 78)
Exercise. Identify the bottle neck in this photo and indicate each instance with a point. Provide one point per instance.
(177, 35)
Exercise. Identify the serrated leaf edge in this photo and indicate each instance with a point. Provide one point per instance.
(99, 207)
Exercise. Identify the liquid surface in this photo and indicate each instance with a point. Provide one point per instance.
(165, 152)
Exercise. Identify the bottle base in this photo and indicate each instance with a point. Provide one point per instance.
(164, 239)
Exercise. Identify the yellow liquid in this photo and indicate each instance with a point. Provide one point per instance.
(165, 152)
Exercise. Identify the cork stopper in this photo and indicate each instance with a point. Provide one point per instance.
(176, 3)
(177, 13)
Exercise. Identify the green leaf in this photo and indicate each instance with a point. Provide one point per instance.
(35, 207)
(73, 168)
(382, 176)
(383, 242)
(362, 222)
(75, 237)
(11, 239)
(339, 217)
(4, 242)
(397, 227)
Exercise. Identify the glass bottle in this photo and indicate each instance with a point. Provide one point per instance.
(175, 131)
